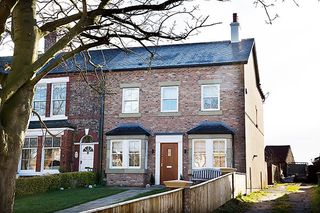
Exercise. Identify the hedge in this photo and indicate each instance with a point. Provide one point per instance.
(38, 184)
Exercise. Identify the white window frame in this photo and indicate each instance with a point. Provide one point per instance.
(202, 97)
(177, 105)
(51, 101)
(123, 99)
(125, 154)
(45, 111)
(36, 148)
(209, 152)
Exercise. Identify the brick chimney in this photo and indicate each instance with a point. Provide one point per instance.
(235, 26)
(50, 40)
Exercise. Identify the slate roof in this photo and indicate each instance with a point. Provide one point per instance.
(209, 127)
(51, 124)
(277, 154)
(165, 56)
(129, 129)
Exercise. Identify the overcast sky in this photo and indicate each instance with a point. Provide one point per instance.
(289, 62)
(288, 57)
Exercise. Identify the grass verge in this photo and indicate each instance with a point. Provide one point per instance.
(57, 200)
(316, 199)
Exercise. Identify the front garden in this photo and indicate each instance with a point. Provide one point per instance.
(56, 192)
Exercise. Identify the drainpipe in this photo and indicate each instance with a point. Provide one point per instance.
(101, 126)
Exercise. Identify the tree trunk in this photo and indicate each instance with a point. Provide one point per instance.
(15, 112)
(14, 118)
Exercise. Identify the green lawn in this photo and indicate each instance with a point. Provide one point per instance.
(316, 199)
(57, 200)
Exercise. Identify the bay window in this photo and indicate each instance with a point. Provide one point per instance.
(29, 154)
(211, 153)
(125, 154)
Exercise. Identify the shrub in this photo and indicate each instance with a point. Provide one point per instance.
(38, 184)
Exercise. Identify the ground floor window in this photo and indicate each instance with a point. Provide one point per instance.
(52, 153)
(29, 154)
(210, 153)
(125, 154)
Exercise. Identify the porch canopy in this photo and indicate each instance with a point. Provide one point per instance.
(211, 127)
(129, 129)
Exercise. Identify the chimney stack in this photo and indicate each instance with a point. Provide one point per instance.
(49, 40)
(235, 29)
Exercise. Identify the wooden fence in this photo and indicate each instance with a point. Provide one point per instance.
(165, 202)
(204, 197)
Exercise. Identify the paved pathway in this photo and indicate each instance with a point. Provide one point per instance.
(296, 201)
(105, 201)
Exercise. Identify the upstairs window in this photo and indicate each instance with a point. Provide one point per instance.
(29, 154)
(59, 99)
(130, 100)
(52, 153)
(169, 99)
(40, 99)
(210, 97)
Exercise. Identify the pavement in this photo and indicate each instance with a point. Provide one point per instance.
(131, 192)
(296, 202)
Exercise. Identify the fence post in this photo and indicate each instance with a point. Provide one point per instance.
(233, 179)
(186, 200)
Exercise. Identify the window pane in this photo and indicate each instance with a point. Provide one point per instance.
(131, 107)
(48, 142)
(40, 93)
(117, 157)
(169, 93)
(199, 154)
(134, 160)
(59, 107)
(28, 159)
(131, 94)
(33, 142)
(219, 153)
(56, 142)
(169, 105)
(52, 159)
(26, 142)
(59, 91)
(40, 107)
(210, 91)
(210, 103)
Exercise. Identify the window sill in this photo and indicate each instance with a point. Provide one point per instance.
(169, 114)
(130, 115)
(49, 118)
(215, 112)
(126, 170)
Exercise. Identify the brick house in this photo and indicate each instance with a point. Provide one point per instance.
(191, 106)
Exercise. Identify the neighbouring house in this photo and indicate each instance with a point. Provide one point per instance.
(190, 106)
(278, 158)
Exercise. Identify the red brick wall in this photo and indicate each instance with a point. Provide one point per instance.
(126, 179)
(232, 104)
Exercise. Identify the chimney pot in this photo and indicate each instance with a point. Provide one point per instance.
(235, 17)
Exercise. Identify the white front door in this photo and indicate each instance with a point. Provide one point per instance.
(86, 157)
